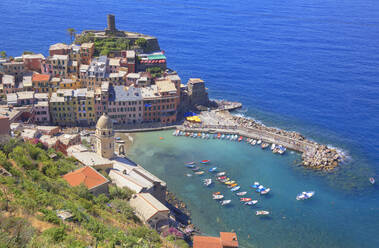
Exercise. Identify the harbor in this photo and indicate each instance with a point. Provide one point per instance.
(314, 155)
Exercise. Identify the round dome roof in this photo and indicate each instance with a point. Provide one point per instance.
(104, 122)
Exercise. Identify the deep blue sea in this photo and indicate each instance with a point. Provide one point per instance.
(310, 66)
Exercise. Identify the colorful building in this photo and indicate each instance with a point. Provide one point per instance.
(33, 61)
(41, 82)
(59, 49)
(86, 53)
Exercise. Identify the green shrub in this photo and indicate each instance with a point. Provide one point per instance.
(50, 216)
(56, 234)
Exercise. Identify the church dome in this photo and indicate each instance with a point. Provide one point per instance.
(104, 122)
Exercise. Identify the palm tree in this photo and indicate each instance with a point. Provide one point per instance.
(3, 54)
(71, 32)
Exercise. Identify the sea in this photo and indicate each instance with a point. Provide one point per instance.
(309, 66)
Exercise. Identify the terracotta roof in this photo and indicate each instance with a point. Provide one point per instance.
(206, 242)
(229, 239)
(40, 77)
(87, 175)
(226, 239)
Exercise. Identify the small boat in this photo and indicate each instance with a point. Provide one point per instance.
(265, 191)
(189, 175)
(225, 202)
(213, 169)
(245, 199)
(255, 185)
(259, 142)
(240, 139)
(205, 161)
(190, 163)
(260, 189)
(221, 174)
(190, 166)
(222, 136)
(273, 146)
(305, 195)
(262, 212)
(207, 136)
(230, 182)
(264, 145)
(221, 178)
(199, 172)
(282, 150)
(195, 168)
(217, 197)
(372, 180)
(236, 188)
(253, 202)
(207, 182)
(232, 185)
(217, 193)
(215, 136)
(224, 180)
(218, 135)
(227, 136)
(254, 142)
(241, 193)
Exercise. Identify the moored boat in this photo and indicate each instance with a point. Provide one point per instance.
(264, 145)
(240, 139)
(232, 185)
(253, 202)
(213, 169)
(230, 182)
(372, 180)
(207, 182)
(190, 166)
(245, 199)
(265, 191)
(255, 185)
(259, 142)
(190, 163)
(273, 146)
(223, 173)
(305, 195)
(199, 172)
(218, 197)
(205, 161)
(262, 212)
(241, 193)
(236, 188)
(225, 202)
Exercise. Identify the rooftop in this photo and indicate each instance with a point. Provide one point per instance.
(147, 205)
(59, 46)
(91, 158)
(195, 80)
(40, 77)
(226, 239)
(165, 86)
(33, 56)
(86, 175)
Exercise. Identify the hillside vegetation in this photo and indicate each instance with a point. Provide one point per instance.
(29, 200)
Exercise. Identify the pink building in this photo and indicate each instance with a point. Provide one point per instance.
(41, 113)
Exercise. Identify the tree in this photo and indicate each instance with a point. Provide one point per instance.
(141, 42)
(71, 32)
(3, 54)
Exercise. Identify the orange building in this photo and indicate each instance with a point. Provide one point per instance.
(41, 82)
(226, 240)
(89, 177)
(86, 53)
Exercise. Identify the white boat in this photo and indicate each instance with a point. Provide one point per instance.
(255, 185)
(305, 195)
(241, 193)
(225, 202)
(221, 174)
(259, 142)
(253, 202)
(174, 133)
(207, 182)
(273, 146)
(254, 142)
(207, 136)
(265, 191)
(262, 212)
(218, 197)
(235, 188)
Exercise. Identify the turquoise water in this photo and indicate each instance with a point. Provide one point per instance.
(338, 215)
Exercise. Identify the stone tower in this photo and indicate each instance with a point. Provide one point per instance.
(104, 137)
(111, 24)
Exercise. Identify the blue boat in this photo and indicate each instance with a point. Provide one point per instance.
(260, 189)
(213, 169)
(255, 185)
(190, 165)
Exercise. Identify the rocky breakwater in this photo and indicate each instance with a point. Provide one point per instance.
(315, 156)
(322, 158)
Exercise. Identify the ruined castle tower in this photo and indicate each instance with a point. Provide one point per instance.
(111, 25)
